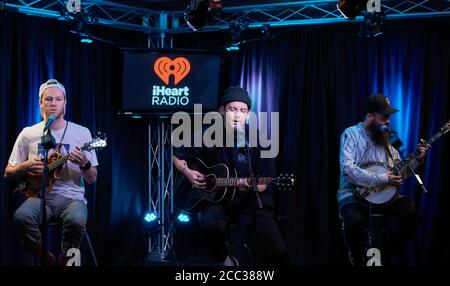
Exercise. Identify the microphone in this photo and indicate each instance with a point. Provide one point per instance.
(385, 129)
(395, 141)
(240, 137)
(241, 142)
(50, 120)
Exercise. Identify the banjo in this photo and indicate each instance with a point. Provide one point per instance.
(385, 194)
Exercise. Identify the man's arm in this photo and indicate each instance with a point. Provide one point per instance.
(196, 178)
(353, 172)
(415, 162)
(180, 164)
(78, 157)
(34, 165)
(90, 175)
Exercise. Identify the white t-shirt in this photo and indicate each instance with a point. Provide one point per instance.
(69, 180)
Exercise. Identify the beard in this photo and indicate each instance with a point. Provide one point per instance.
(380, 138)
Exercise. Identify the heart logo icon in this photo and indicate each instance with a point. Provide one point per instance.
(165, 67)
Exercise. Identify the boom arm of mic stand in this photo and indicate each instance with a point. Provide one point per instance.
(416, 176)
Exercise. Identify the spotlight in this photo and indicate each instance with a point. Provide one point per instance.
(232, 48)
(266, 31)
(372, 25)
(199, 12)
(86, 40)
(183, 218)
(81, 22)
(351, 8)
(2, 10)
(238, 30)
(150, 217)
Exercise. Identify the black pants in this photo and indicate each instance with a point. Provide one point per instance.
(266, 243)
(356, 226)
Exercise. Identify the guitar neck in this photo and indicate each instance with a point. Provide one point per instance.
(233, 182)
(61, 161)
(435, 137)
(400, 165)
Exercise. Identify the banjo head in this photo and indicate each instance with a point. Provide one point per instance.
(381, 194)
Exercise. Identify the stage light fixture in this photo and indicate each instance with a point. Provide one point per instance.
(150, 217)
(372, 25)
(183, 217)
(2, 10)
(238, 30)
(86, 40)
(150, 221)
(232, 48)
(351, 8)
(200, 11)
(81, 22)
(266, 31)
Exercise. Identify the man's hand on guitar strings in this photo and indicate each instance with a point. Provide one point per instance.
(78, 157)
(242, 184)
(423, 148)
(394, 180)
(196, 178)
(35, 165)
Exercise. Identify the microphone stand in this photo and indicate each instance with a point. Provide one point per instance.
(397, 143)
(254, 186)
(246, 151)
(415, 175)
(48, 142)
(253, 179)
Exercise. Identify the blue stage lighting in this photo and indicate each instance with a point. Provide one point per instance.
(232, 48)
(183, 218)
(150, 217)
(86, 40)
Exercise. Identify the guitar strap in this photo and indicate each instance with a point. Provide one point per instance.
(388, 151)
(58, 148)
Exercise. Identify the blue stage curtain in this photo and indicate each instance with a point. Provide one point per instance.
(316, 77)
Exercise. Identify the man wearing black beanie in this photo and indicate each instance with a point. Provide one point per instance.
(250, 210)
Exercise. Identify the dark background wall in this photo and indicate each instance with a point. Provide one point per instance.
(315, 77)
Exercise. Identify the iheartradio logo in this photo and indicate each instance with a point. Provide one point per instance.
(164, 67)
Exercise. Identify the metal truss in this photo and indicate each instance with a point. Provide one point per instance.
(293, 13)
(319, 12)
(160, 190)
(121, 16)
(309, 12)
